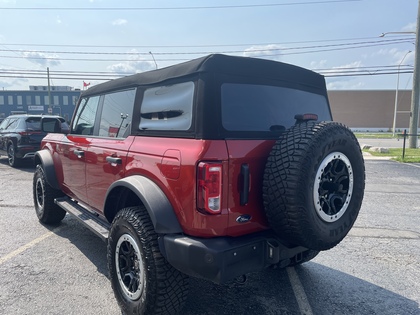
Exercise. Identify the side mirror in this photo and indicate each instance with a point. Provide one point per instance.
(54, 125)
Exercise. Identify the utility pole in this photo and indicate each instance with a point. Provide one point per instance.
(49, 91)
(414, 114)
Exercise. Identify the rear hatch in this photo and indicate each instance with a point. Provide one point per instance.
(32, 133)
(254, 116)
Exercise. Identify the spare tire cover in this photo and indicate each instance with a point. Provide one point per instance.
(313, 184)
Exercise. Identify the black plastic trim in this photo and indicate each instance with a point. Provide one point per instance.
(224, 258)
(44, 158)
(157, 204)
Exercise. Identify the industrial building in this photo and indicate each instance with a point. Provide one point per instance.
(59, 100)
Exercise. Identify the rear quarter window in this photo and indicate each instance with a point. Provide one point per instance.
(249, 107)
(167, 107)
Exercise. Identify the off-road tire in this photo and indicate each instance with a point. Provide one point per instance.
(46, 210)
(313, 184)
(11, 156)
(155, 287)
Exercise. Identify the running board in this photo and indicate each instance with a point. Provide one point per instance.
(89, 219)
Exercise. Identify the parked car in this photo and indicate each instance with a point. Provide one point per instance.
(212, 168)
(21, 135)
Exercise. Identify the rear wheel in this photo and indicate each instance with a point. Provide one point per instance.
(142, 280)
(46, 209)
(11, 156)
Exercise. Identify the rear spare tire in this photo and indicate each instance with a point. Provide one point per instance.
(313, 184)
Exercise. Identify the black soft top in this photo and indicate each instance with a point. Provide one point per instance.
(217, 64)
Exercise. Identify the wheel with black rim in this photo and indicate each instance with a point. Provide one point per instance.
(11, 156)
(314, 184)
(46, 210)
(142, 280)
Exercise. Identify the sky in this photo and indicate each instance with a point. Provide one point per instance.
(93, 41)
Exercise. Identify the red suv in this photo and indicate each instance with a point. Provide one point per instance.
(212, 168)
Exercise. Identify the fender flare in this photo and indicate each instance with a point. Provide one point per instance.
(153, 198)
(44, 158)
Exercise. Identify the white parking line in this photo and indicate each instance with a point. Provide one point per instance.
(301, 298)
(26, 246)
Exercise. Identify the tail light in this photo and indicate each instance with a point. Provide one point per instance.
(209, 187)
(29, 133)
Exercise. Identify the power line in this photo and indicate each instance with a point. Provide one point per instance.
(356, 44)
(281, 52)
(175, 8)
(197, 46)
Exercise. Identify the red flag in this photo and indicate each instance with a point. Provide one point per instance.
(85, 84)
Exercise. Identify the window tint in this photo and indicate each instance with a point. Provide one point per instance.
(117, 114)
(248, 107)
(33, 123)
(4, 123)
(12, 124)
(85, 117)
(168, 107)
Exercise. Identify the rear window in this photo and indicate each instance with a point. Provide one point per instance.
(249, 107)
(33, 124)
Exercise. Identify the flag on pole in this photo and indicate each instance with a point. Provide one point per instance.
(86, 84)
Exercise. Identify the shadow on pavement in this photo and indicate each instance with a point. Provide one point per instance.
(267, 292)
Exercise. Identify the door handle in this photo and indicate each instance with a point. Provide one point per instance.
(113, 160)
(79, 153)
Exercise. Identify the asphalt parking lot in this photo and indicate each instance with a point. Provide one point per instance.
(375, 270)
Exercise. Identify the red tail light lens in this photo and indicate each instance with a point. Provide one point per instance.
(29, 133)
(209, 190)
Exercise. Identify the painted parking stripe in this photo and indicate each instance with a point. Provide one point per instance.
(301, 298)
(26, 246)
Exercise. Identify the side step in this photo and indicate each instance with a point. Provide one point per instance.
(89, 219)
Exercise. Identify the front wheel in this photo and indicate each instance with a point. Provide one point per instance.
(46, 209)
(142, 280)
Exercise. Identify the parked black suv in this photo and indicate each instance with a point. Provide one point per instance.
(21, 135)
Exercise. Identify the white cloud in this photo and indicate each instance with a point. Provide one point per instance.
(397, 55)
(13, 82)
(119, 22)
(270, 51)
(409, 27)
(318, 64)
(134, 65)
(346, 84)
(58, 20)
(354, 66)
(41, 58)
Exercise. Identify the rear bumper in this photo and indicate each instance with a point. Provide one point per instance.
(225, 258)
(26, 151)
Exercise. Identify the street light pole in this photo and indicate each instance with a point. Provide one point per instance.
(414, 114)
(396, 94)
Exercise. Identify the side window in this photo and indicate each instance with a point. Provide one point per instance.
(167, 107)
(4, 123)
(117, 114)
(84, 119)
(12, 124)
